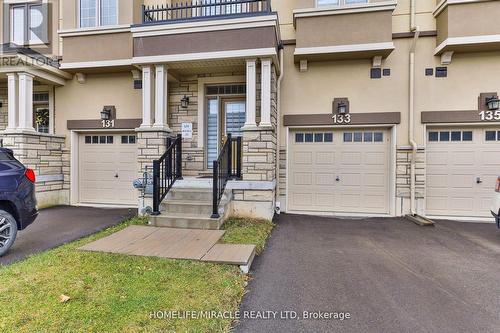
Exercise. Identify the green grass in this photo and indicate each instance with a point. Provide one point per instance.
(245, 231)
(117, 293)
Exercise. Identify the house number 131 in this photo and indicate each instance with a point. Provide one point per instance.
(108, 123)
(341, 119)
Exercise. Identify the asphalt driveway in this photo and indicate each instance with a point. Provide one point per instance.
(60, 225)
(388, 274)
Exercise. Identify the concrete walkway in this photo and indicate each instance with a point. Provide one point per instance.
(175, 243)
(60, 225)
(389, 274)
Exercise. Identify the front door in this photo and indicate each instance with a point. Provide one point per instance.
(225, 116)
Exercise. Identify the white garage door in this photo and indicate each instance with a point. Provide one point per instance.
(108, 166)
(462, 166)
(345, 171)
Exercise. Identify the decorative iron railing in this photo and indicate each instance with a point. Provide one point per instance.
(166, 171)
(226, 167)
(203, 9)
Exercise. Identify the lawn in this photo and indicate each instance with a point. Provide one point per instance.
(118, 293)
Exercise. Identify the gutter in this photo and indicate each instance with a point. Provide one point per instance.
(278, 122)
(413, 28)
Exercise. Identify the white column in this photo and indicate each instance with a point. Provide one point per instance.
(147, 97)
(161, 97)
(26, 102)
(265, 96)
(13, 101)
(251, 94)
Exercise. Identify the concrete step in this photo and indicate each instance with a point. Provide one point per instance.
(191, 207)
(186, 221)
(190, 194)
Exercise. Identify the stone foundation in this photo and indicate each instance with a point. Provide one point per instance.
(47, 156)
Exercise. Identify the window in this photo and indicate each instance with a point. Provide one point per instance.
(128, 139)
(318, 137)
(27, 24)
(99, 139)
(98, 13)
(364, 137)
(491, 136)
(446, 136)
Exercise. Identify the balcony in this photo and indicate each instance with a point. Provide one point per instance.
(204, 10)
(203, 30)
(360, 31)
(467, 26)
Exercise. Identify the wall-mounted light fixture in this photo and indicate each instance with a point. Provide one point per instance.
(342, 108)
(493, 103)
(108, 112)
(185, 102)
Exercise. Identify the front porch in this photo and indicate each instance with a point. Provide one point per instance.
(205, 105)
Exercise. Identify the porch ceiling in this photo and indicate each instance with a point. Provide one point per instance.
(208, 66)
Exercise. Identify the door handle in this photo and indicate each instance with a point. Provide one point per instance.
(116, 175)
(478, 180)
(337, 179)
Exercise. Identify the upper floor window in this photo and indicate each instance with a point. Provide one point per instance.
(94, 13)
(27, 24)
(339, 2)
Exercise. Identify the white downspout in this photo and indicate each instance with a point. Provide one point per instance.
(413, 28)
(278, 120)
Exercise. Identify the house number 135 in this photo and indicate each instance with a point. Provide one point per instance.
(340, 119)
(489, 115)
(108, 123)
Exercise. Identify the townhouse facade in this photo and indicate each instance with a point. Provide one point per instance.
(346, 107)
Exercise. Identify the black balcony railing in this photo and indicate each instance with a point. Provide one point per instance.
(203, 9)
(166, 171)
(226, 167)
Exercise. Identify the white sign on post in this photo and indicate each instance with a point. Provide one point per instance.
(187, 130)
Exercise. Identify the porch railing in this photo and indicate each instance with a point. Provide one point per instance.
(166, 171)
(203, 9)
(226, 167)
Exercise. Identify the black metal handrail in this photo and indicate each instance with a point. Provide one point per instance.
(166, 171)
(202, 9)
(226, 167)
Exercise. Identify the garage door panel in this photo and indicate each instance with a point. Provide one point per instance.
(324, 179)
(350, 158)
(325, 158)
(361, 168)
(375, 159)
(302, 158)
(452, 172)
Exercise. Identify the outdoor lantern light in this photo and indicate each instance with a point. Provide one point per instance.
(185, 102)
(342, 108)
(493, 103)
(106, 114)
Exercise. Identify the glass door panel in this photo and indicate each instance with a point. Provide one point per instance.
(212, 131)
(235, 117)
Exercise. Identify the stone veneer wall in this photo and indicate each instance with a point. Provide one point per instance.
(403, 179)
(3, 108)
(259, 164)
(47, 156)
(192, 156)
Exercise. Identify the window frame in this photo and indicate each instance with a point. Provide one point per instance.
(27, 41)
(341, 3)
(98, 17)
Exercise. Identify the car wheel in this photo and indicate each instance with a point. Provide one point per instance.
(8, 231)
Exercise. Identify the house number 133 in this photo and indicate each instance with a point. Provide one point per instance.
(108, 123)
(340, 119)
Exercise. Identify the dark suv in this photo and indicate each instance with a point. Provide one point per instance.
(17, 198)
